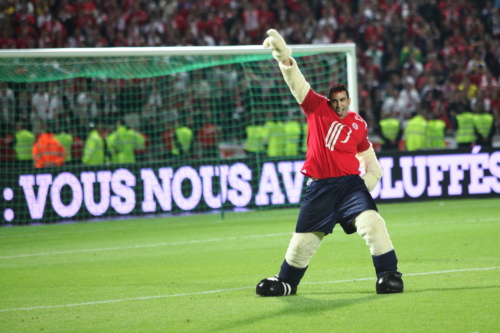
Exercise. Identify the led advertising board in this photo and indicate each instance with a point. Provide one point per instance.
(76, 193)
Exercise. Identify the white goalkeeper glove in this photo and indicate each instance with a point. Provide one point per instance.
(281, 51)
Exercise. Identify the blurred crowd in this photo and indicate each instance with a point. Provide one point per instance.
(418, 60)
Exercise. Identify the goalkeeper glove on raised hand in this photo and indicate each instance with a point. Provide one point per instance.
(281, 51)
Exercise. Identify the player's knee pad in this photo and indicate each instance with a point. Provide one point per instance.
(302, 247)
(371, 226)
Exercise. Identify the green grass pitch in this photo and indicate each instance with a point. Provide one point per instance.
(198, 274)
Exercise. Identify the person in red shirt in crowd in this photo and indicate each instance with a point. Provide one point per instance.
(24, 15)
(168, 139)
(204, 24)
(47, 151)
(54, 26)
(7, 41)
(370, 66)
(7, 152)
(251, 20)
(337, 144)
(26, 28)
(266, 16)
(87, 7)
(26, 39)
(138, 13)
(181, 23)
(208, 136)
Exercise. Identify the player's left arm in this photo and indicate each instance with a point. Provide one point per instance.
(369, 162)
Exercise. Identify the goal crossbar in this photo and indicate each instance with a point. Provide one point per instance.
(348, 48)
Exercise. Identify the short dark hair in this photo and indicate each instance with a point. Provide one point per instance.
(338, 87)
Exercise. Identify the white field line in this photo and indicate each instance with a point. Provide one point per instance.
(227, 220)
(143, 246)
(221, 239)
(152, 225)
(231, 289)
(442, 222)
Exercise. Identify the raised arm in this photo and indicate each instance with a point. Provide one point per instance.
(288, 66)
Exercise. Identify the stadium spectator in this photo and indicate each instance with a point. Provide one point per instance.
(7, 104)
(122, 143)
(465, 132)
(130, 103)
(47, 151)
(415, 132)
(66, 139)
(408, 100)
(436, 132)
(41, 108)
(390, 131)
(95, 149)
(23, 107)
(254, 139)
(484, 125)
(274, 135)
(414, 67)
(209, 135)
(23, 144)
(293, 134)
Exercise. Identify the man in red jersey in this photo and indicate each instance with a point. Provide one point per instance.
(337, 145)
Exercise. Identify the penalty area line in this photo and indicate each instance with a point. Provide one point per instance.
(143, 246)
(225, 290)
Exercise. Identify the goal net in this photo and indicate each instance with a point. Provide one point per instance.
(179, 129)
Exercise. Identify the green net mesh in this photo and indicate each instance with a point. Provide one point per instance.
(154, 135)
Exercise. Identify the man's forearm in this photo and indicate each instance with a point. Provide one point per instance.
(294, 79)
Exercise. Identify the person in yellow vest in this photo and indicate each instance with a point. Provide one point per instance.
(390, 131)
(415, 133)
(177, 140)
(484, 125)
(122, 142)
(184, 137)
(276, 136)
(66, 139)
(254, 136)
(23, 143)
(436, 132)
(465, 132)
(94, 149)
(304, 129)
(293, 133)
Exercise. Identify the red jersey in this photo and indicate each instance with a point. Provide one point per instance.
(332, 143)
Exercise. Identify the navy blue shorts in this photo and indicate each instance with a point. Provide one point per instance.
(334, 200)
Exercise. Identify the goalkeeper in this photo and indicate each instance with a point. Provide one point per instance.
(337, 145)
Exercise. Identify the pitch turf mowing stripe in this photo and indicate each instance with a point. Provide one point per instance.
(143, 246)
(152, 224)
(232, 218)
(233, 289)
(220, 239)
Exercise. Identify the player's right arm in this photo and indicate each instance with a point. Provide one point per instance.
(288, 66)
